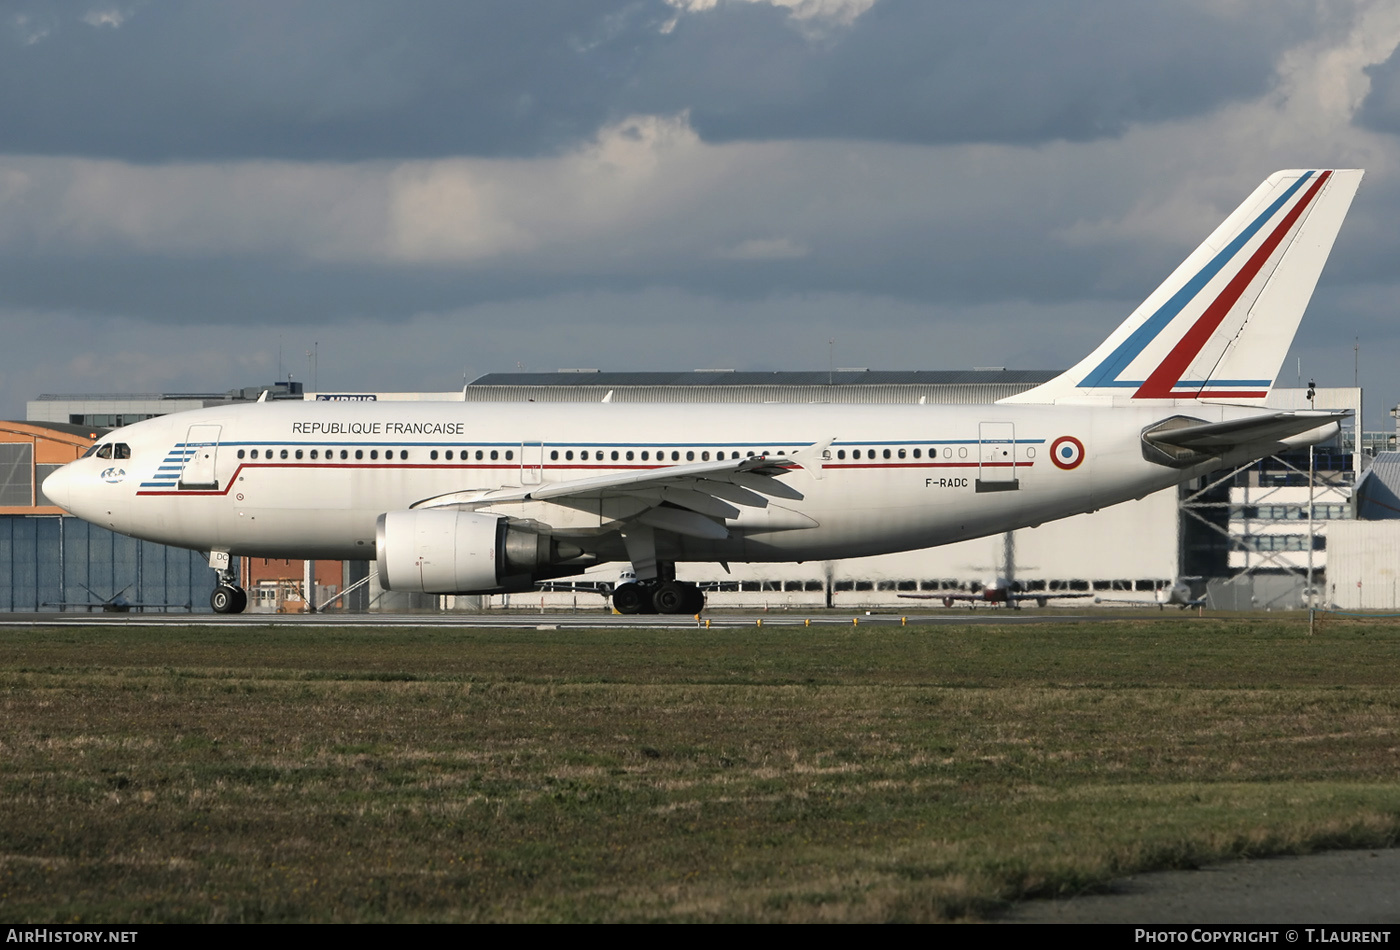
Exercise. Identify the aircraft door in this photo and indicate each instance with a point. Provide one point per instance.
(996, 470)
(201, 454)
(531, 463)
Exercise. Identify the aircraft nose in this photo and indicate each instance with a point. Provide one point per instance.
(58, 487)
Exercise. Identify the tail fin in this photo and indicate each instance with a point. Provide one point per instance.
(1219, 327)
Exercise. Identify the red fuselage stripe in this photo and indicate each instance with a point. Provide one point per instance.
(515, 466)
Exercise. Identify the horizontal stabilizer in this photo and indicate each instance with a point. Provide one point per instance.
(1182, 440)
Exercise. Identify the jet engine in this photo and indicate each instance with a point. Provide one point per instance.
(445, 551)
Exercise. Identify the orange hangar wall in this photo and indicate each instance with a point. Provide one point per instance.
(29, 451)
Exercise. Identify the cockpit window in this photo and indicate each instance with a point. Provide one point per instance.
(92, 450)
(104, 451)
(121, 451)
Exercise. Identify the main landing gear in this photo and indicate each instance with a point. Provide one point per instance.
(658, 596)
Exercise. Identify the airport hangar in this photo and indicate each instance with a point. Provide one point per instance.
(1243, 535)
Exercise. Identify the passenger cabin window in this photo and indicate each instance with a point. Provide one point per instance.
(241, 453)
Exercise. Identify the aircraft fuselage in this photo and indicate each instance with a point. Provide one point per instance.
(309, 479)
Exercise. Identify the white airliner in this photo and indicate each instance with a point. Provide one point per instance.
(1176, 594)
(469, 498)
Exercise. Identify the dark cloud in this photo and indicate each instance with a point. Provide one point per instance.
(355, 79)
(944, 72)
(342, 80)
(915, 264)
(1381, 108)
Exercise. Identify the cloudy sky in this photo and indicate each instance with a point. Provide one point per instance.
(194, 194)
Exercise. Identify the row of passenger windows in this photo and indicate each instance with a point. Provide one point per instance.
(344, 453)
(598, 455)
(631, 456)
(916, 453)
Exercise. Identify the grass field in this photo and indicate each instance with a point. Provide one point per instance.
(788, 774)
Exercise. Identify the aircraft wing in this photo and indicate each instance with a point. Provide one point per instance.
(976, 597)
(1047, 595)
(685, 499)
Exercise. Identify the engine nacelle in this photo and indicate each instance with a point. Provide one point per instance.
(445, 551)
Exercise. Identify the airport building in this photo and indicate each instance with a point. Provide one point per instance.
(111, 410)
(1241, 536)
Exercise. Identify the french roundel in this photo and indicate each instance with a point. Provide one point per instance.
(1067, 452)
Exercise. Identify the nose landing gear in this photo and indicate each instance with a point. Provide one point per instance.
(228, 599)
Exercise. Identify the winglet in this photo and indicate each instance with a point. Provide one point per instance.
(811, 458)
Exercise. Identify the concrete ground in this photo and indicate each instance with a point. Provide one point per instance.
(1339, 887)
